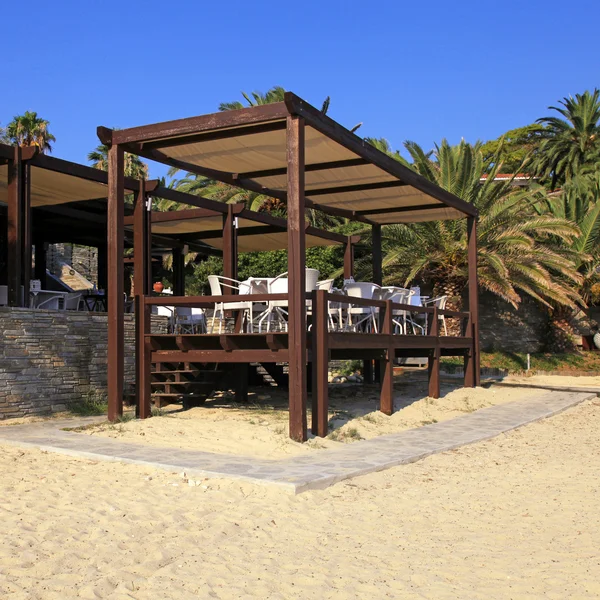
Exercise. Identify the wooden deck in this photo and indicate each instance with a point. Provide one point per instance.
(377, 350)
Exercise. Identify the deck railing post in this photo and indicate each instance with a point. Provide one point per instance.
(115, 211)
(474, 293)
(433, 366)
(320, 364)
(469, 363)
(15, 228)
(296, 278)
(386, 400)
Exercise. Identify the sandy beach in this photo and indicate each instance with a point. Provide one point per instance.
(513, 517)
(261, 428)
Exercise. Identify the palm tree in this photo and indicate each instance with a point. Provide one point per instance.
(30, 130)
(573, 140)
(134, 167)
(579, 202)
(384, 146)
(519, 251)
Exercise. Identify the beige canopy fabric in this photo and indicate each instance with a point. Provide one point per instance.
(255, 242)
(49, 188)
(249, 154)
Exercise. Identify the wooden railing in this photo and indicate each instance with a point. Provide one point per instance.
(385, 307)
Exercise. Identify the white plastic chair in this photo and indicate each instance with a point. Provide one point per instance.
(217, 283)
(183, 322)
(73, 301)
(276, 309)
(440, 303)
(165, 311)
(365, 314)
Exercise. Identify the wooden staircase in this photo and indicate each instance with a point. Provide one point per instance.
(189, 383)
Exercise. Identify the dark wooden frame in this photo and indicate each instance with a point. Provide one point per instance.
(294, 115)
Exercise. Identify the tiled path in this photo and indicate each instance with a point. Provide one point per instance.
(316, 470)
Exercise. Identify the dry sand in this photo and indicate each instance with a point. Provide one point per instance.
(516, 517)
(261, 428)
(564, 380)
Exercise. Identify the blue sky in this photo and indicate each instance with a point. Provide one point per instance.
(422, 71)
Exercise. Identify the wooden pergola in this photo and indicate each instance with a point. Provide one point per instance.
(292, 152)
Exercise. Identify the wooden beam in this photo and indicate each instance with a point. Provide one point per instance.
(337, 212)
(296, 279)
(116, 200)
(193, 125)
(328, 127)
(219, 134)
(177, 215)
(360, 187)
(474, 298)
(218, 233)
(15, 228)
(349, 259)
(320, 365)
(400, 209)
(324, 166)
(59, 165)
(190, 199)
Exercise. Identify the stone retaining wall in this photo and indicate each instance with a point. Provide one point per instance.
(51, 358)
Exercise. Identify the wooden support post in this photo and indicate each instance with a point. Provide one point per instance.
(320, 365)
(15, 228)
(115, 212)
(141, 285)
(241, 374)
(229, 245)
(178, 272)
(386, 399)
(26, 232)
(433, 365)
(377, 261)
(376, 256)
(368, 371)
(349, 259)
(41, 249)
(474, 296)
(296, 278)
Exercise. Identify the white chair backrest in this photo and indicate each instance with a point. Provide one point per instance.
(197, 311)
(244, 288)
(360, 289)
(279, 286)
(164, 311)
(3, 295)
(312, 276)
(414, 298)
(441, 302)
(326, 284)
(215, 285)
(72, 301)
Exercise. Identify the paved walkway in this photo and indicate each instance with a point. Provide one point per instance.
(316, 470)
